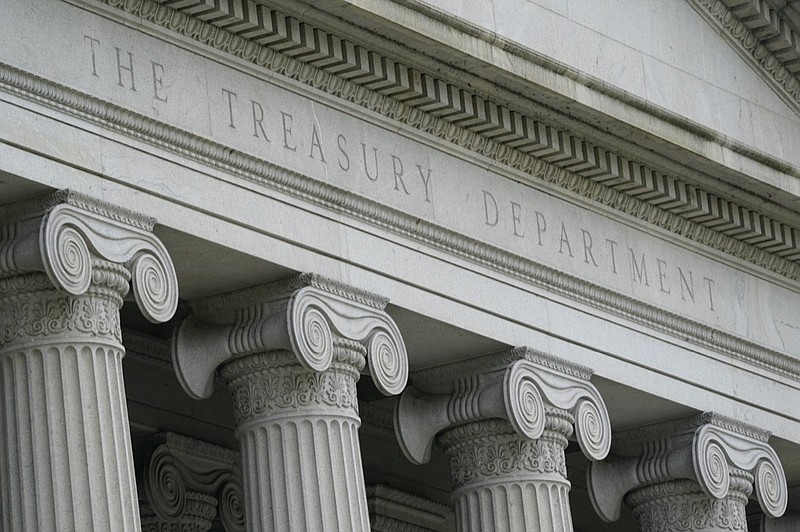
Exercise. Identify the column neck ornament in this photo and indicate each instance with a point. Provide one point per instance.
(517, 385)
(84, 245)
(305, 315)
(709, 452)
(185, 483)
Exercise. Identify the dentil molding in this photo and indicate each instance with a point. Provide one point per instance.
(258, 171)
(455, 113)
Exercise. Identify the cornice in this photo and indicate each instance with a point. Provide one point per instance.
(263, 173)
(760, 34)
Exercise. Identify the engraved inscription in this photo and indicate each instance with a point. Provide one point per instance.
(257, 117)
(127, 69)
(599, 251)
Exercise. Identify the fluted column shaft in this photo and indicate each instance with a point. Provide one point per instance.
(66, 262)
(504, 481)
(65, 452)
(298, 432)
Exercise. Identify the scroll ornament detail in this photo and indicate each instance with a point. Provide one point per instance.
(70, 237)
(309, 321)
(312, 316)
(578, 397)
(68, 242)
(707, 455)
(231, 506)
(716, 449)
(519, 392)
(186, 483)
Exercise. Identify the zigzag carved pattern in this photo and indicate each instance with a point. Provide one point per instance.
(770, 28)
(314, 46)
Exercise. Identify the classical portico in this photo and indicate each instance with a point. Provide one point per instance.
(401, 265)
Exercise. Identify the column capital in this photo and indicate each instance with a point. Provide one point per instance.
(64, 234)
(183, 480)
(301, 314)
(516, 385)
(705, 448)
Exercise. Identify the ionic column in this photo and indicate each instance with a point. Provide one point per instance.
(290, 354)
(66, 262)
(691, 474)
(184, 484)
(504, 420)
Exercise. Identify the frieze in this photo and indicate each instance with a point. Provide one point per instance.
(255, 169)
(258, 171)
(472, 120)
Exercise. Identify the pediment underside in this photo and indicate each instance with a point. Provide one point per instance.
(766, 33)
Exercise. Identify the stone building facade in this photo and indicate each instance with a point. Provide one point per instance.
(400, 265)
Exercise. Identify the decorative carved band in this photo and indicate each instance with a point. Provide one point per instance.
(493, 449)
(681, 506)
(185, 481)
(517, 391)
(305, 320)
(275, 383)
(73, 238)
(704, 451)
